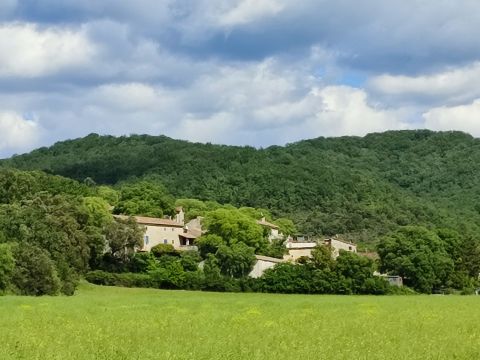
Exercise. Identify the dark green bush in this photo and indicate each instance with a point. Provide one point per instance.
(164, 249)
(100, 277)
(7, 265)
(34, 273)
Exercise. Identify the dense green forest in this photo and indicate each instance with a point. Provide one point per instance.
(412, 196)
(54, 231)
(362, 187)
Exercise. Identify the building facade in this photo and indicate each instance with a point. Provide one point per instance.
(165, 231)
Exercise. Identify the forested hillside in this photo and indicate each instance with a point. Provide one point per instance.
(349, 185)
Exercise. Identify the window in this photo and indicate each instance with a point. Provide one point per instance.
(173, 229)
(349, 248)
(165, 241)
(146, 239)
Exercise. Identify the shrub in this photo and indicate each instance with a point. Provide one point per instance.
(34, 272)
(287, 278)
(163, 249)
(194, 280)
(100, 277)
(208, 244)
(171, 276)
(236, 260)
(142, 262)
(7, 265)
(190, 260)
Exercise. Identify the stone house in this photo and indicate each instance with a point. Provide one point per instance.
(263, 263)
(304, 247)
(166, 231)
(336, 245)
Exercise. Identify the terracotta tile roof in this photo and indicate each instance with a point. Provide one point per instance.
(143, 220)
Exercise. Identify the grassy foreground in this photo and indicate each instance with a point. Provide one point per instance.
(118, 323)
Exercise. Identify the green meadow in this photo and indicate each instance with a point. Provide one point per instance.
(121, 323)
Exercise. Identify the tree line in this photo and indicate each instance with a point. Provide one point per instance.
(360, 187)
(55, 230)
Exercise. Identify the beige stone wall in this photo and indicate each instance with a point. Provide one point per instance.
(340, 245)
(155, 235)
(274, 234)
(295, 254)
(260, 267)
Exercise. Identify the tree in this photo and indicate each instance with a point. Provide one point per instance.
(287, 278)
(108, 194)
(322, 257)
(276, 248)
(190, 260)
(7, 265)
(360, 270)
(123, 238)
(286, 226)
(148, 197)
(233, 227)
(98, 212)
(236, 260)
(34, 273)
(418, 255)
(208, 244)
(163, 250)
(470, 257)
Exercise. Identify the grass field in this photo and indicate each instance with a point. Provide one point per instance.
(118, 323)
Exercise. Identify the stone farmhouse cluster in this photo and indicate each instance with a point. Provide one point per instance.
(181, 236)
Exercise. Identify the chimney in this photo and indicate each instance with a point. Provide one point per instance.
(180, 216)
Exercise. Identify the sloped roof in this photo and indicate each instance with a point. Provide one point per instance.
(263, 222)
(188, 235)
(268, 258)
(143, 220)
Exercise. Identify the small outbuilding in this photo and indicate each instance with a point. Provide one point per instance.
(263, 263)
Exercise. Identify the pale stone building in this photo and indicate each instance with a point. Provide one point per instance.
(263, 263)
(336, 245)
(298, 249)
(165, 231)
(275, 233)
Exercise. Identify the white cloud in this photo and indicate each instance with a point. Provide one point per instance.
(17, 132)
(346, 111)
(259, 103)
(28, 51)
(463, 117)
(448, 87)
(247, 11)
(125, 97)
(267, 104)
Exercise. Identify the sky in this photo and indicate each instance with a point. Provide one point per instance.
(242, 72)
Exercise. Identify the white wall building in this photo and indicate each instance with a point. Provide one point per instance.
(336, 245)
(263, 263)
(165, 231)
(298, 249)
